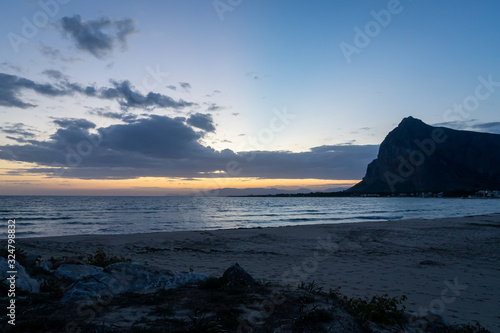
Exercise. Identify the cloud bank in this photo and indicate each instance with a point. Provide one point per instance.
(161, 146)
(11, 87)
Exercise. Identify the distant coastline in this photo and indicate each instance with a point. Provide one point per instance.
(344, 194)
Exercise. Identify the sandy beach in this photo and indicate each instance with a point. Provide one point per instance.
(449, 266)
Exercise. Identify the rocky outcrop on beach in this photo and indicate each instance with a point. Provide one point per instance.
(93, 282)
(126, 296)
(416, 157)
(18, 278)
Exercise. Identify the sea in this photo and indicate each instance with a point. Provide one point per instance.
(37, 216)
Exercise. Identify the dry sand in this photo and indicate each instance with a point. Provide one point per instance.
(450, 266)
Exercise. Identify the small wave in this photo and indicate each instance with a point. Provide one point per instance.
(27, 233)
(374, 217)
(307, 219)
(44, 218)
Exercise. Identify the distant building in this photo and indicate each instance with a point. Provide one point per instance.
(488, 194)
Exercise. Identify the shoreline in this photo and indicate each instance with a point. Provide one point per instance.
(447, 265)
(367, 221)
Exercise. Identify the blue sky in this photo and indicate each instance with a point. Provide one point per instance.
(240, 63)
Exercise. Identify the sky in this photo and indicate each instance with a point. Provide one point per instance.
(173, 97)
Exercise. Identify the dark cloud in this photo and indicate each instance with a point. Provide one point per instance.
(18, 139)
(160, 146)
(158, 137)
(215, 92)
(11, 85)
(79, 123)
(455, 124)
(472, 125)
(125, 117)
(493, 127)
(121, 91)
(324, 162)
(99, 37)
(24, 132)
(253, 75)
(184, 85)
(212, 107)
(11, 66)
(124, 93)
(55, 54)
(54, 74)
(171, 87)
(202, 121)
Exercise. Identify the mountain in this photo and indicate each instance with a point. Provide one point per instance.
(416, 157)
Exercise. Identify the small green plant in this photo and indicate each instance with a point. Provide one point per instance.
(311, 287)
(469, 328)
(101, 259)
(335, 293)
(58, 259)
(379, 309)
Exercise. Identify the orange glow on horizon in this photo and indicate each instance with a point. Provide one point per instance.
(36, 184)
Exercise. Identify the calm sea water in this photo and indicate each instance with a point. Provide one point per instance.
(54, 216)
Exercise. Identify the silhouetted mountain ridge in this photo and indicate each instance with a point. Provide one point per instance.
(416, 157)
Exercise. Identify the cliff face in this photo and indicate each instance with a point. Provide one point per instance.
(416, 157)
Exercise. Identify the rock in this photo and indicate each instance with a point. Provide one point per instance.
(127, 277)
(416, 157)
(89, 288)
(374, 328)
(46, 265)
(235, 275)
(76, 272)
(23, 280)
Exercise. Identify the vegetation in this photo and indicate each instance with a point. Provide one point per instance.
(378, 309)
(214, 306)
(101, 259)
(469, 328)
(311, 287)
